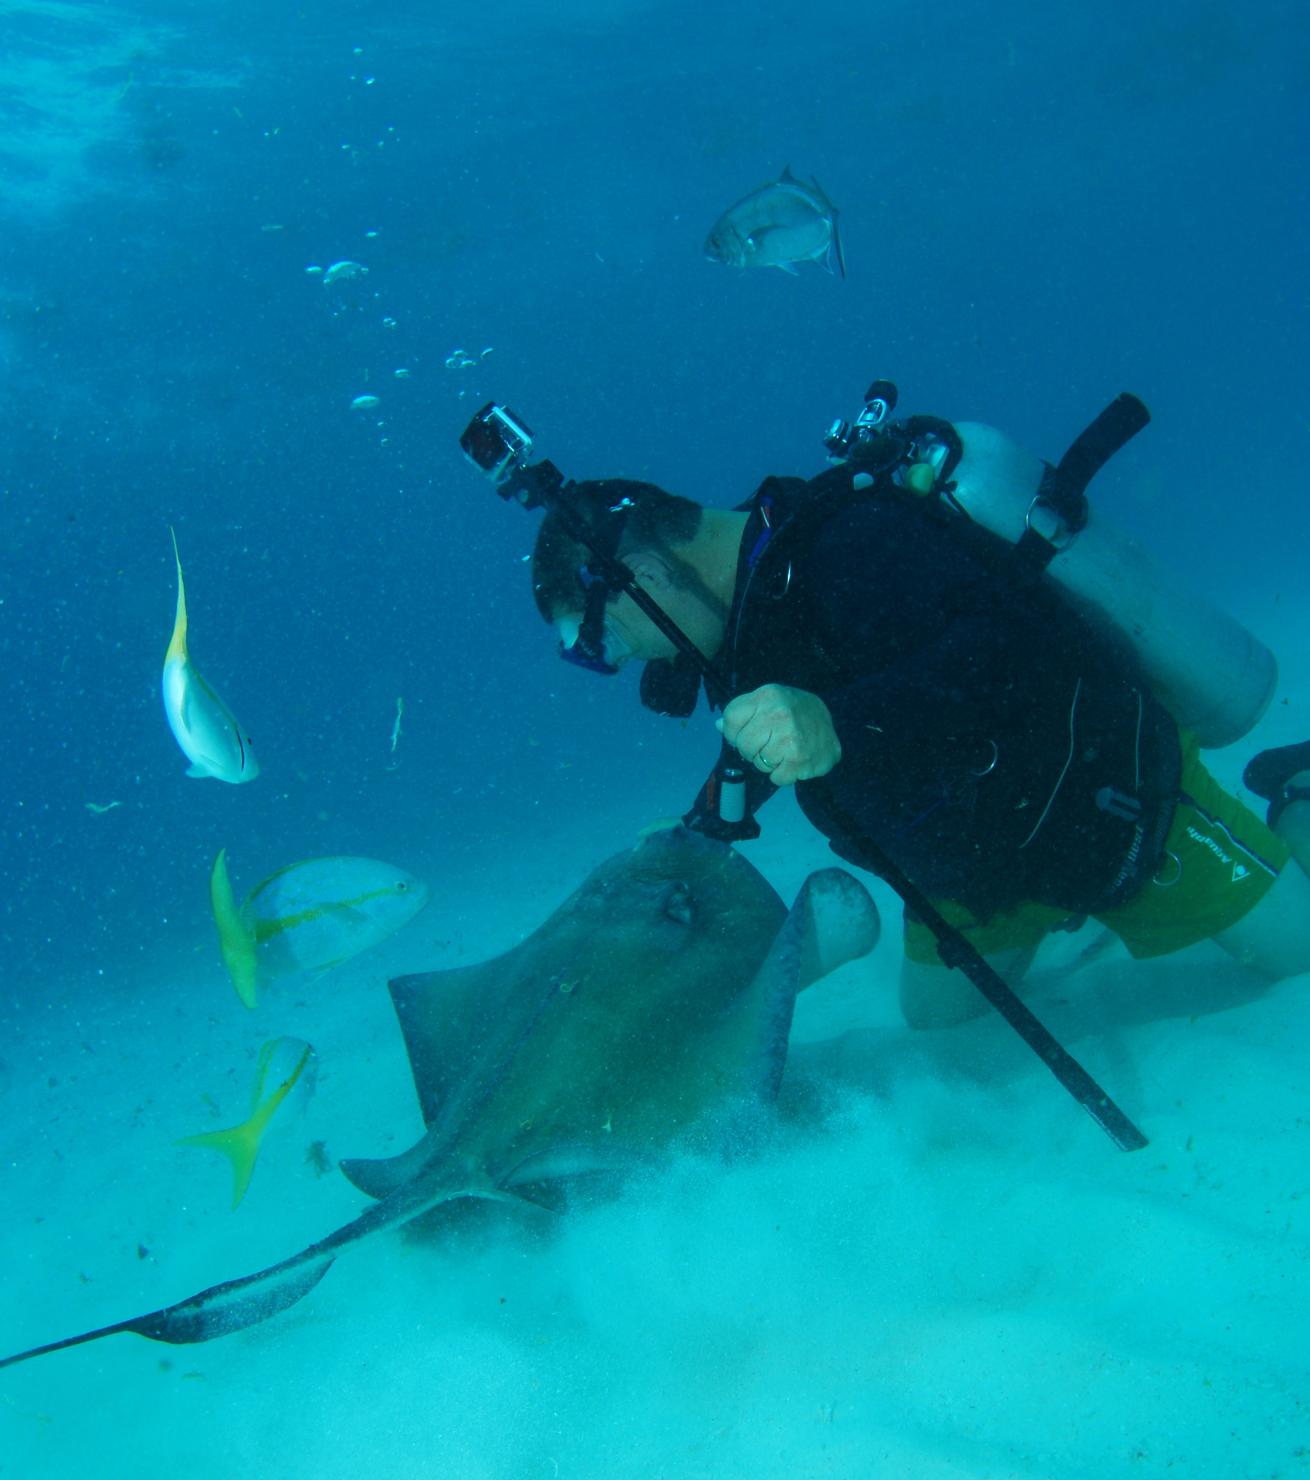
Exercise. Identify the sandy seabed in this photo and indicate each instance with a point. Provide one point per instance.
(934, 1265)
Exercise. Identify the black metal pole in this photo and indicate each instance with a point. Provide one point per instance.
(957, 953)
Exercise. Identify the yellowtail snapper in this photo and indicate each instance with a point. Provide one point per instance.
(204, 727)
(285, 1073)
(309, 916)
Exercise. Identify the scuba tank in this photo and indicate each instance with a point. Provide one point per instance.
(1213, 676)
(1208, 671)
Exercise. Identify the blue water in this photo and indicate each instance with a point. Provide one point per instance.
(1040, 207)
(1038, 211)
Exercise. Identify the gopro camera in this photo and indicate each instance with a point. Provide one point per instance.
(497, 441)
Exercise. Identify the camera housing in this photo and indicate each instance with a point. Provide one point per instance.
(496, 441)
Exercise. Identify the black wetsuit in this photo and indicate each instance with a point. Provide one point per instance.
(996, 745)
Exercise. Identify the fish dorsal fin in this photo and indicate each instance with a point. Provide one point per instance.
(177, 643)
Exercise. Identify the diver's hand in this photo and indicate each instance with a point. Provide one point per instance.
(786, 733)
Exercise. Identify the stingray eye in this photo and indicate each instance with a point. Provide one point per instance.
(678, 904)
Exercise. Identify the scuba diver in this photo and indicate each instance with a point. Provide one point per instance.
(962, 669)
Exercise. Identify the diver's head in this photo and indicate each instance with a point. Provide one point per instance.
(653, 533)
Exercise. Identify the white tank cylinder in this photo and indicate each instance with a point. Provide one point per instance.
(1213, 676)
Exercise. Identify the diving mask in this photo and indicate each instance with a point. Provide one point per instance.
(593, 642)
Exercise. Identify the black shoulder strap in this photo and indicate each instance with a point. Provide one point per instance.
(1063, 488)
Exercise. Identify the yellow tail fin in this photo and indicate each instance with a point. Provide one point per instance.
(240, 1143)
(236, 940)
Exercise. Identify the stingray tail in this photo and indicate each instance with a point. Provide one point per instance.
(236, 1304)
(214, 1312)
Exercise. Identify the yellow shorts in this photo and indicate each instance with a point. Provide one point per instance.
(1219, 861)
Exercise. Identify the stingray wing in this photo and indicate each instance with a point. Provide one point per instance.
(462, 1030)
(833, 921)
(658, 995)
(462, 1027)
(626, 1072)
(679, 916)
(595, 1048)
(546, 1051)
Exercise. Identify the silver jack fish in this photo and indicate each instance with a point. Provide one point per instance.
(779, 225)
(202, 724)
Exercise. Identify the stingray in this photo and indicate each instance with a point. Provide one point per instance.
(655, 1004)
